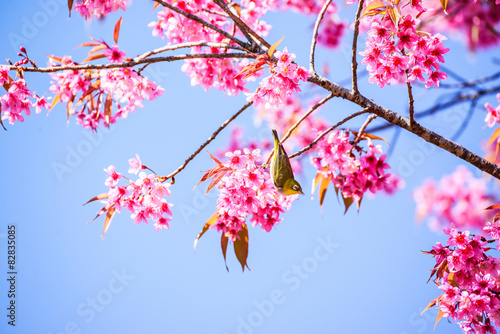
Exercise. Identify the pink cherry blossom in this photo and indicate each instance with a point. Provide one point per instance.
(493, 115)
(114, 54)
(135, 165)
(457, 199)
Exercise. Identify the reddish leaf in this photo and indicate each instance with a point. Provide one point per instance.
(215, 180)
(108, 104)
(322, 189)
(97, 48)
(69, 106)
(98, 214)
(494, 136)
(56, 59)
(156, 5)
(215, 159)
(223, 244)
(439, 316)
(70, 6)
(116, 32)
(241, 247)
(273, 47)
(54, 102)
(366, 135)
(493, 207)
(210, 221)
(452, 280)
(95, 85)
(98, 197)
(431, 304)
(87, 44)
(394, 15)
(107, 221)
(374, 8)
(444, 4)
(94, 57)
(347, 203)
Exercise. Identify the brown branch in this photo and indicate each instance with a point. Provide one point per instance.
(187, 45)
(249, 33)
(208, 141)
(354, 64)
(324, 133)
(363, 128)
(404, 123)
(460, 98)
(130, 63)
(315, 36)
(410, 102)
(205, 23)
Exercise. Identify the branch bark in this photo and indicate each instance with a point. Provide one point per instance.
(404, 123)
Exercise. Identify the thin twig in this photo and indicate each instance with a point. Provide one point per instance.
(472, 83)
(204, 23)
(187, 45)
(208, 141)
(324, 133)
(354, 64)
(315, 35)
(131, 63)
(410, 102)
(363, 128)
(244, 28)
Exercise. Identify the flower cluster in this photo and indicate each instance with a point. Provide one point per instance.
(352, 175)
(457, 199)
(246, 190)
(213, 72)
(90, 93)
(18, 99)
(210, 72)
(477, 20)
(393, 53)
(469, 279)
(143, 197)
(99, 8)
(493, 115)
(282, 83)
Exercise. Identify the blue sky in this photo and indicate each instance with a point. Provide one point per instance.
(317, 271)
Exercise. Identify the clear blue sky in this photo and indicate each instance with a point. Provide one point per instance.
(370, 279)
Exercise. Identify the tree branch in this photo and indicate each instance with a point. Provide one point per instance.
(249, 33)
(363, 128)
(315, 35)
(354, 63)
(208, 141)
(410, 102)
(130, 63)
(187, 45)
(404, 123)
(205, 23)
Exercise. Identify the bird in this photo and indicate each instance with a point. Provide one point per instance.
(281, 171)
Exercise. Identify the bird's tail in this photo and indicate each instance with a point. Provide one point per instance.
(276, 139)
